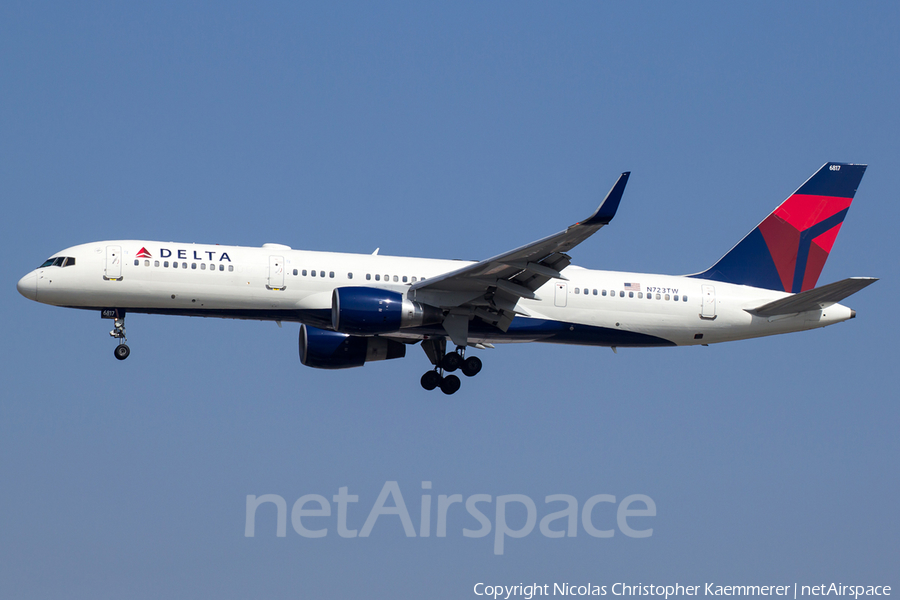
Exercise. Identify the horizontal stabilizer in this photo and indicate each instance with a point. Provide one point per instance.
(815, 299)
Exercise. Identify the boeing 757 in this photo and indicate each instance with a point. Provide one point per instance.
(359, 308)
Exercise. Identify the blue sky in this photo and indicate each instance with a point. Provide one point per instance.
(450, 131)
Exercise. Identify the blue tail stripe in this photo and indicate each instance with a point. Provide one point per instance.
(748, 263)
(841, 183)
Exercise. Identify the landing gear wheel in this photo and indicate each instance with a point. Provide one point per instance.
(450, 384)
(430, 380)
(471, 366)
(451, 362)
(122, 351)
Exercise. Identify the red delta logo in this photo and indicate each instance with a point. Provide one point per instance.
(142, 253)
(800, 235)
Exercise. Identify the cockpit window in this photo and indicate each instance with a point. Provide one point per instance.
(58, 261)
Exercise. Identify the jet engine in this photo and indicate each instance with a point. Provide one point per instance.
(369, 311)
(324, 349)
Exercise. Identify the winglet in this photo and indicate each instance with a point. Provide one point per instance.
(607, 209)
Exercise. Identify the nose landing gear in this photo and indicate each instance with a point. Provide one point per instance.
(122, 350)
(447, 362)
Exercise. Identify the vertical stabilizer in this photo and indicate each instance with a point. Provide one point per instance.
(787, 251)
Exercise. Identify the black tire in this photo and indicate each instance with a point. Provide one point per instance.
(122, 351)
(451, 362)
(430, 380)
(471, 366)
(450, 384)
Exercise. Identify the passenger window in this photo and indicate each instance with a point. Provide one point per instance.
(312, 273)
(193, 265)
(349, 275)
(684, 298)
(640, 295)
(387, 277)
(576, 290)
(166, 264)
(304, 272)
(404, 279)
(668, 297)
(602, 292)
(658, 297)
(231, 267)
(396, 279)
(676, 298)
(595, 292)
(331, 274)
(321, 273)
(622, 294)
(137, 263)
(631, 294)
(414, 279)
(368, 277)
(377, 277)
(174, 265)
(155, 263)
(221, 267)
(202, 266)
(184, 265)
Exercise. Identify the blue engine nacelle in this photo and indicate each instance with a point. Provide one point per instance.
(369, 311)
(324, 349)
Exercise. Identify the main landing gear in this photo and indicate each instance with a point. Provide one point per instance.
(122, 350)
(447, 362)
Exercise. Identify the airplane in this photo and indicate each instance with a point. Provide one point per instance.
(359, 308)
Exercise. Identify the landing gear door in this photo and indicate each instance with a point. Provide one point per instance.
(113, 268)
(276, 273)
(708, 310)
(562, 293)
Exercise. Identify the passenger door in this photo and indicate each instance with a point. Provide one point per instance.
(708, 309)
(276, 273)
(113, 268)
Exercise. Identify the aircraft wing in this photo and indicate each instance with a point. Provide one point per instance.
(490, 289)
(814, 299)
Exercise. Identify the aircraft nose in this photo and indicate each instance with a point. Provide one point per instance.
(27, 286)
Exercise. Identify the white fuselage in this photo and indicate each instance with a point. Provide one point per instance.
(277, 283)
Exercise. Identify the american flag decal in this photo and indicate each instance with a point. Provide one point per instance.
(633, 287)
